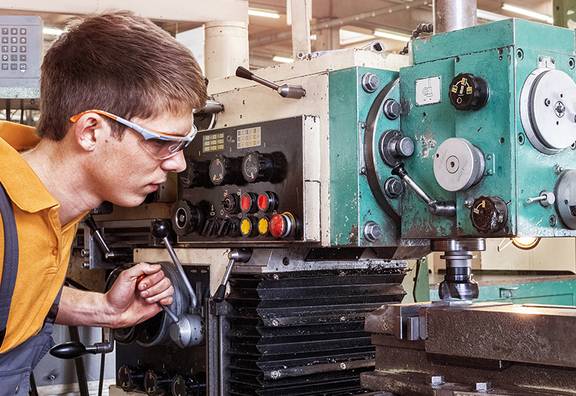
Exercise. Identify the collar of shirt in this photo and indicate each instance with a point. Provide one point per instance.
(30, 196)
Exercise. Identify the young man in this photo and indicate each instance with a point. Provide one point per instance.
(117, 96)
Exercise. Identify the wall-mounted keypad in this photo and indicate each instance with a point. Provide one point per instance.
(14, 48)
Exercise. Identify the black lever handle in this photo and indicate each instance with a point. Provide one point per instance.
(68, 350)
(72, 349)
(242, 72)
(285, 90)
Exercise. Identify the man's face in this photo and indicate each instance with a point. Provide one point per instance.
(128, 173)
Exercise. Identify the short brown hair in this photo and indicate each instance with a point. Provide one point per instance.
(120, 63)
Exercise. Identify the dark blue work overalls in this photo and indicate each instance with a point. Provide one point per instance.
(17, 363)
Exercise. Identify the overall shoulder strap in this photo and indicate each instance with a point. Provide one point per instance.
(10, 268)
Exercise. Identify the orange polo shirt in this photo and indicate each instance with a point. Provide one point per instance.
(44, 245)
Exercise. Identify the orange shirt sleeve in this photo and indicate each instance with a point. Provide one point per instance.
(21, 137)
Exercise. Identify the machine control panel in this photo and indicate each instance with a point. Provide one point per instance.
(244, 184)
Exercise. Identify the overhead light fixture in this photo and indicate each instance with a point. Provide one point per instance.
(50, 31)
(490, 16)
(351, 37)
(260, 12)
(527, 13)
(391, 35)
(282, 59)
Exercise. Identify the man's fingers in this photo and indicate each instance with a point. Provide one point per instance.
(156, 298)
(134, 272)
(157, 288)
(147, 281)
(167, 301)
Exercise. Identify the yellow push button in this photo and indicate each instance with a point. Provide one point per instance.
(246, 227)
(263, 226)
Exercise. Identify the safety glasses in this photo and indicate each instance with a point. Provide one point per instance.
(160, 145)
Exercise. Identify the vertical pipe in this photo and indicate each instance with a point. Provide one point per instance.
(225, 48)
(450, 15)
(301, 11)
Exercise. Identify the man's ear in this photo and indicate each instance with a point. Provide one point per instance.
(89, 130)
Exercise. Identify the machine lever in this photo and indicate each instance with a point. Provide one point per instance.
(285, 90)
(439, 208)
(160, 231)
(97, 234)
(235, 255)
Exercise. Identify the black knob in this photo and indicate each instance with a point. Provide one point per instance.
(468, 92)
(196, 174)
(224, 170)
(489, 214)
(231, 204)
(160, 229)
(260, 167)
(186, 217)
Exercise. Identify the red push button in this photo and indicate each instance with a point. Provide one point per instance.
(268, 201)
(248, 202)
(282, 225)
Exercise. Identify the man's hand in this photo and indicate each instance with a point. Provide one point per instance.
(135, 295)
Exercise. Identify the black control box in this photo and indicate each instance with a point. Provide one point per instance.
(243, 184)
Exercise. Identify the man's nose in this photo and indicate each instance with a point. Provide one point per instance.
(174, 164)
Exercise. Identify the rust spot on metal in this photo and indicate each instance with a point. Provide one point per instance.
(353, 236)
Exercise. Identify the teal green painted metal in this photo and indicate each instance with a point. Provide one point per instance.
(501, 34)
(352, 203)
(504, 54)
(422, 281)
(564, 12)
(553, 292)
